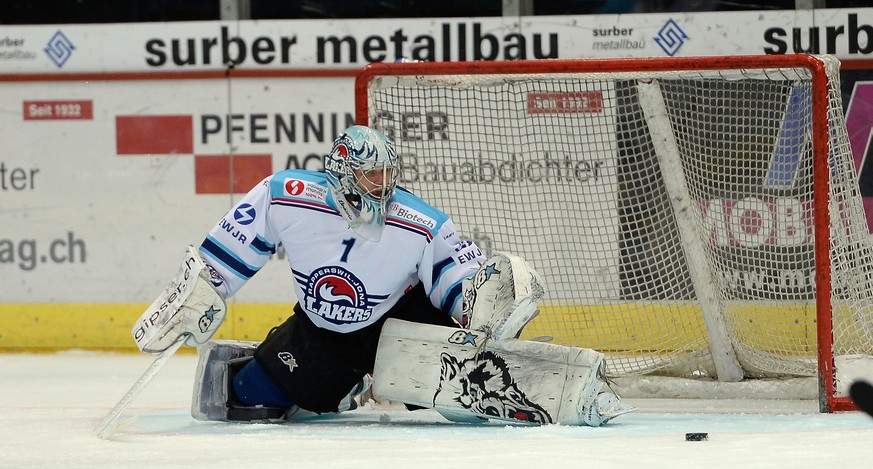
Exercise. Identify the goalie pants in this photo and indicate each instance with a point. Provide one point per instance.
(316, 367)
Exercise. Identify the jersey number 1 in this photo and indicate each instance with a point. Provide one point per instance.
(348, 243)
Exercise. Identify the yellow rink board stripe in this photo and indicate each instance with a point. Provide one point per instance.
(622, 326)
(671, 326)
(104, 326)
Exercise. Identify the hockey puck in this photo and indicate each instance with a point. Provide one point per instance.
(696, 436)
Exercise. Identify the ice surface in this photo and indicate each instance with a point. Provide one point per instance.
(50, 404)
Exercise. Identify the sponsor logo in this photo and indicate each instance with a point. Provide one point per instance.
(671, 38)
(244, 214)
(58, 110)
(484, 274)
(234, 232)
(463, 338)
(616, 38)
(857, 38)
(467, 252)
(516, 168)
(298, 188)
(565, 103)
(398, 211)
(175, 293)
(471, 294)
(208, 318)
(59, 49)
(754, 222)
(337, 296)
(288, 359)
(11, 49)
(294, 186)
(459, 41)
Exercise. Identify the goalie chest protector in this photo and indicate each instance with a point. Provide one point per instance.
(466, 377)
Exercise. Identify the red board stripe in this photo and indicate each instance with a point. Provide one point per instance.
(212, 173)
(154, 135)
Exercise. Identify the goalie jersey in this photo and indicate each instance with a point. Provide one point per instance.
(343, 281)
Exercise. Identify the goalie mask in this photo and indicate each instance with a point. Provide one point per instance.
(362, 170)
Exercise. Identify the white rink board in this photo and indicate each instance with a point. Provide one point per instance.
(92, 225)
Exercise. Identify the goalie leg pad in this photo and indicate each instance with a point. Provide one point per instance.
(466, 377)
(501, 298)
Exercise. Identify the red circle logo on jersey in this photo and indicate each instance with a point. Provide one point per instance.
(294, 186)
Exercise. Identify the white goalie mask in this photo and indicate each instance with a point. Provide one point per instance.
(362, 170)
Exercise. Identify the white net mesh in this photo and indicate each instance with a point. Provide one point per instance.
(660, 231)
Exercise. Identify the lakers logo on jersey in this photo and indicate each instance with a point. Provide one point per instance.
(337, 295)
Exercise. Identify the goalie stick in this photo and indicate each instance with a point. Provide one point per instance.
(862, 394)
(110, 424)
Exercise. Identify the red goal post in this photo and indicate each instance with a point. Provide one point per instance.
(684, 212)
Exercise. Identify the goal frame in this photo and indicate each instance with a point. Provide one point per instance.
(828, 402)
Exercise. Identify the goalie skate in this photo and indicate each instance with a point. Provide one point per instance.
(214, 399)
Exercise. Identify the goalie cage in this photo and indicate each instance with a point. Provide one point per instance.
(697, 219)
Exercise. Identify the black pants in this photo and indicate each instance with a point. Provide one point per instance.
(325, 365)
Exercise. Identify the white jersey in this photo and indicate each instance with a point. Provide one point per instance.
(343, 281)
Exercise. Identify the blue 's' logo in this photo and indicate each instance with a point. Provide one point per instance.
(244, 214)
(59, 49)
(671, 38)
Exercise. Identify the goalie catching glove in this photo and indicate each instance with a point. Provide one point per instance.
(501, 298)
(189, 306)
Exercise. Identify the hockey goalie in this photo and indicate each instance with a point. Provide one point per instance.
(389, 296)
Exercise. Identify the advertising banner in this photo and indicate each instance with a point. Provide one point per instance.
(349, 44)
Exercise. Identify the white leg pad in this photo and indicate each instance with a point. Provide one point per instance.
(468, 378)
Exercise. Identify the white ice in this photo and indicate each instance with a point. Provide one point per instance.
(51, 403)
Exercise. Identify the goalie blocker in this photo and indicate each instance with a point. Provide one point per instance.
(189, 306)
(467, 377)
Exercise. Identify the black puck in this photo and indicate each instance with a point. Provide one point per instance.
(696, 436)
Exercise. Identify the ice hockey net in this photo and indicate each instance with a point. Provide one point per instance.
(698, 218)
